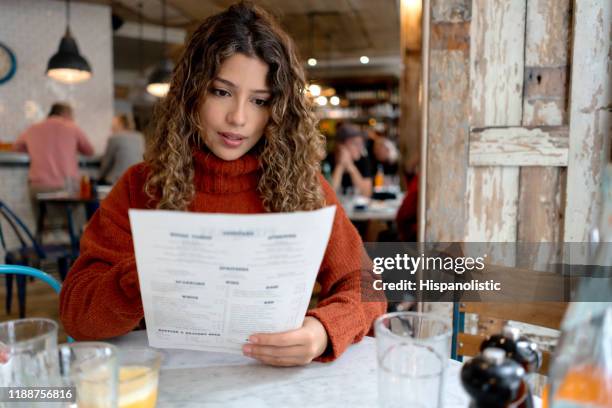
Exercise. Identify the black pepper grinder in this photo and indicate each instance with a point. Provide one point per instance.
(520, 349)
(517, 347)
(492, 380)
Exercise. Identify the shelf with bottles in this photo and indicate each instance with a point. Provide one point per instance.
(373, 96)
(384, 110)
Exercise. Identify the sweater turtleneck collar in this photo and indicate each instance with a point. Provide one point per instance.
(215, 175)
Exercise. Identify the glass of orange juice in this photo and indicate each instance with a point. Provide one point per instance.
(138, 377)
(91, 367)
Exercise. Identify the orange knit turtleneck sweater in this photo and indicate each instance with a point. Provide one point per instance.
(101, 297)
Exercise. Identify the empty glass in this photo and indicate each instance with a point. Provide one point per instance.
(28, 353)
(413, 350)
(93, 369)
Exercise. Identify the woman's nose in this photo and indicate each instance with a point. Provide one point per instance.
(237, 115)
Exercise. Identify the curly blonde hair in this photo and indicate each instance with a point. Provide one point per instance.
(290, 151)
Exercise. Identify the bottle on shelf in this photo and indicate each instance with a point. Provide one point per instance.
(379, 178)
(85, 188)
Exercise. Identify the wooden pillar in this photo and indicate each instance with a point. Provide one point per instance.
(541, 188)
(410, 82)
(589, 116)
(448, 123)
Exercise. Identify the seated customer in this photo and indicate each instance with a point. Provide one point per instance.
(53, 146)
(124, 149)
(351, 165)
(385, 155)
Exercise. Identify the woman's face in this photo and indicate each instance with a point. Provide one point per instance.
(236, 109)
(355, 147)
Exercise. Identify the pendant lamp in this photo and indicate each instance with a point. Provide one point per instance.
(159, 80)
(67, 65)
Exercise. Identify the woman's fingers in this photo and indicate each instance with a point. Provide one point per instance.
(283, 339)
(272, 351)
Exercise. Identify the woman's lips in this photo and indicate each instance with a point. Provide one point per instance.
(231, 139)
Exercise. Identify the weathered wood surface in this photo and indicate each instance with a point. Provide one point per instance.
(589, 125)
(519, 146)
(497, 37)
(448, 120)
(541, 189)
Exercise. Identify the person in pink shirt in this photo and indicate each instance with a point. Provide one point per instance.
(53, 146)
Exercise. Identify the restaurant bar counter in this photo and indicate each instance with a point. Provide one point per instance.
(14, 185)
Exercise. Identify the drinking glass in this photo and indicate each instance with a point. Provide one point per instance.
(28, 353)
(413, 350)
(92, 368)
(138, 377)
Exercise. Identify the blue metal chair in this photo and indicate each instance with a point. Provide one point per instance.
(35, 273)
(29, 253)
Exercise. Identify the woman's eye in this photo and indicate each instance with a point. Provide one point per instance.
(220, 92)
(260, 102)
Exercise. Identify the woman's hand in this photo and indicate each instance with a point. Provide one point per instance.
(290, 348)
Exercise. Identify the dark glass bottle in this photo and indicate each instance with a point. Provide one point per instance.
(492, 380)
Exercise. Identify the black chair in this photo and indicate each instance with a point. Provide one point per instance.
(29, 253)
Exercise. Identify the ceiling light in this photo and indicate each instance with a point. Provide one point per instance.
(315, 90)
(312, 62)
(159, 80)
(321, 100)
(334, 100)
(364, 59)
(67, 64)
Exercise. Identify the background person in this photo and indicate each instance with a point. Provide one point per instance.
(53, 146)
(125, 148)
(351, 167)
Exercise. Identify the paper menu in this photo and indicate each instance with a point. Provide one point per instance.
(208, 281)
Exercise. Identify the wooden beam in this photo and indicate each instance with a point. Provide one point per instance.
(589, 125)
(496, 80)
(448, 123)
(546, 314)
(519, 146)
(545, 100)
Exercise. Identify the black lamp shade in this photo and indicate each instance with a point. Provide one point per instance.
(159, 80)
(68, 58)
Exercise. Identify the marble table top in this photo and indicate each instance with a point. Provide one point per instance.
(202, 379)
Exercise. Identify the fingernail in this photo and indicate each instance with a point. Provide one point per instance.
(253, 339)
(247, 349)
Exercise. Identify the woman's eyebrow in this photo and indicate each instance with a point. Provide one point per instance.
(232, 85)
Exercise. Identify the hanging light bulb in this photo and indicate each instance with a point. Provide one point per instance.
(159, 80)
(321, 100)
(67, 65)
(315, 90)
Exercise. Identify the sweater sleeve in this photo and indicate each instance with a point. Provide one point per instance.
(100, 297)
(345, 313)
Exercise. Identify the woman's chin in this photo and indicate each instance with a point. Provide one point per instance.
(227, 154)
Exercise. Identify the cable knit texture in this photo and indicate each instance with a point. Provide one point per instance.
(101, 297)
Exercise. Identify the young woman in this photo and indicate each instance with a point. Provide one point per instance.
(235, 134)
